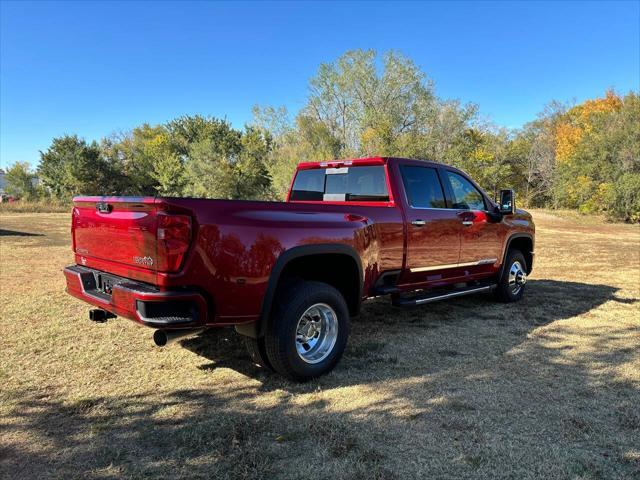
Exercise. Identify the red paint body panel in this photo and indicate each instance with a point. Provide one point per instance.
(234, 245)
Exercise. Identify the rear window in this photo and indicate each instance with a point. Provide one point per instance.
(423, 187)
(341, 184)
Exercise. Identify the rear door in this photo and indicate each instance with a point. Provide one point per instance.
(433, 230)
(480, 239)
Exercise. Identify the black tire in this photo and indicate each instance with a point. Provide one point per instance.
(257, 352)
(506, 292)
(280, 339)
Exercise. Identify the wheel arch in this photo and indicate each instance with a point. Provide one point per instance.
(341, 268)
(523, 242)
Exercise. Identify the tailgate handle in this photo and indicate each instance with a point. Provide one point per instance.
(103, 207)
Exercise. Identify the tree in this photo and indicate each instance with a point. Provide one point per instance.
(226, 163)
(186, 131)
(357, 109)
(368, 112)
(20, 181)
(71, 166)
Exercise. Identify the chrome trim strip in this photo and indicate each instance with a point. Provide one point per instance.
(487, 261)
(435, 267)
(484, 261)
(449, 209)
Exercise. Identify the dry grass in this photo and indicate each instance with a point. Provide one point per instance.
(36, 206)
(548, 388)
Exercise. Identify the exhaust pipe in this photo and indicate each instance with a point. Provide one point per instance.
(163, 337)
(99, 315)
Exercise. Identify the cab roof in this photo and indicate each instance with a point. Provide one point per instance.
(361, 162)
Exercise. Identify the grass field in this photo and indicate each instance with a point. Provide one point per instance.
(546, 388)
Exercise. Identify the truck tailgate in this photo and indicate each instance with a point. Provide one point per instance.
(117, 229)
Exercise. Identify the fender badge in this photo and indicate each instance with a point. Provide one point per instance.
(147, 261)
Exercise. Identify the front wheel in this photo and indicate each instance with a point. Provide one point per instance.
(307, 331)
(514, 278)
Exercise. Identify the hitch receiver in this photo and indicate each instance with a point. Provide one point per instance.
(100, 316)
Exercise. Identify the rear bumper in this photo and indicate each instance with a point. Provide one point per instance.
(138, 301)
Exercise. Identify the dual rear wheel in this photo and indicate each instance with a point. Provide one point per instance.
(307, 332)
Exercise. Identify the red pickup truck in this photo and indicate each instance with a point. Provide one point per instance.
(289, 275)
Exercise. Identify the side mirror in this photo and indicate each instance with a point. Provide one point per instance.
(507, 204)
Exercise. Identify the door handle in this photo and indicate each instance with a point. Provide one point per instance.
(467, 223)
(418, 223)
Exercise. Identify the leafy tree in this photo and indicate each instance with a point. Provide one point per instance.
(228, 164)
(357, 109)
(71, 166)
(186, 131)
(137, 155)
(584, 156)
(20, 181)
(487, 158)
(169, 174)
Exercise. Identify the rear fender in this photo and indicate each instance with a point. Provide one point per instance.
(258, 329)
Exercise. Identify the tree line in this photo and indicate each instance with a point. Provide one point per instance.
(584, 156)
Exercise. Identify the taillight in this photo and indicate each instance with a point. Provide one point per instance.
(75, 215)
(174, 237)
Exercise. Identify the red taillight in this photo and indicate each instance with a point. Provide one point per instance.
(75, 214)
(174, 237)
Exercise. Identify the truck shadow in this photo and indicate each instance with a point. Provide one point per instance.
(14, 233)
(377, 338)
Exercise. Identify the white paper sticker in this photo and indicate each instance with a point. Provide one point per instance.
(334, 197)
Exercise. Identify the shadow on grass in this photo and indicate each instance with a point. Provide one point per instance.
(450, 390)
(14, 233)
(545, 301)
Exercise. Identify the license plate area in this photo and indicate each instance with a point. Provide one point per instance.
(104, 283)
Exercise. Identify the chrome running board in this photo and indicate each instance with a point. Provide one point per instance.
(434, 297)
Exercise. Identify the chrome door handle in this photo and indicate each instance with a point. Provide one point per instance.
(418, 223)
(467, 223)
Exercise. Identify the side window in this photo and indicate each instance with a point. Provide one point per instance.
(423, 187)
(465, 195)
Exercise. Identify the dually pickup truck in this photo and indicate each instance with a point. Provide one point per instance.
(289, 275)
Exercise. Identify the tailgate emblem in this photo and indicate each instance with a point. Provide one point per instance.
(103, 207)
(147, 261)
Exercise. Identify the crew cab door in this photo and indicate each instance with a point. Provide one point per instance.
(480, 237)
(433, 230)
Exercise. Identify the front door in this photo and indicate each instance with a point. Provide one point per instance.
(433, 230)
(480, 238)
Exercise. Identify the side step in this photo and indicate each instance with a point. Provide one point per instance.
(434, 297)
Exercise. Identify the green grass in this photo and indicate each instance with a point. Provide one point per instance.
(547, 388)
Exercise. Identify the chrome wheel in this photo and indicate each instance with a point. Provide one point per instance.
(316, 333)
(517, 277)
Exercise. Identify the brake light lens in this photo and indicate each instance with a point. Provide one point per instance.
(75, 215)
(174, 238)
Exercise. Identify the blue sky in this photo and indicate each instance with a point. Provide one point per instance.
(94, 68)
